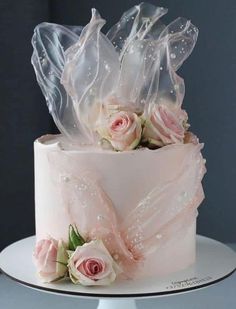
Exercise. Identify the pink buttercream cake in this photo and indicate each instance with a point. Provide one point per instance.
(117, 192)
(170, 176)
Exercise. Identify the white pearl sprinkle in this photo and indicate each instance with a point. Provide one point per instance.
(116, 256)
(82, 187)
(65, 178)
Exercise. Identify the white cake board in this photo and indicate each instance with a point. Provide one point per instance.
(214, 262)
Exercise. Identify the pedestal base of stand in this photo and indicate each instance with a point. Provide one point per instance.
(113, 303)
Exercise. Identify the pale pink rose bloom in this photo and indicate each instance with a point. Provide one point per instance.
(114, 104)
(92, 264)
(191, 138)
(166, 125)
(123, 130)
(47, 255)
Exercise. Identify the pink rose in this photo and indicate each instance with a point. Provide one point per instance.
(50, 258)
(166, 125)
(191, 138)
(92, 264)
(123, 130)
(114, 104)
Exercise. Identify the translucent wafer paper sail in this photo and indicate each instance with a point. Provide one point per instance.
(90, 73)
(81, 71)
(49, 42)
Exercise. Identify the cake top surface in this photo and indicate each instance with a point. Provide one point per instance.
(59, 142)
(120, 90)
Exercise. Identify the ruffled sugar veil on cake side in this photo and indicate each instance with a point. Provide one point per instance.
(113, 93)
(166, 210)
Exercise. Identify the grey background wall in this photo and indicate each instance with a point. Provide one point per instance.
(210, 76)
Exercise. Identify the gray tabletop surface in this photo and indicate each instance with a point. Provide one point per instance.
(218, 296)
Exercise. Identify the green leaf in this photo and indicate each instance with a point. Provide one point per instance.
(75, 239)
(64, 264)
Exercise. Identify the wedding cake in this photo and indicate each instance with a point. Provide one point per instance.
(117, 192)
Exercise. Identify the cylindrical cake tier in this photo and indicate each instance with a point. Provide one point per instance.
(170, 177)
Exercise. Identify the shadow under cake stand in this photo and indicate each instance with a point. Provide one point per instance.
(214, 262)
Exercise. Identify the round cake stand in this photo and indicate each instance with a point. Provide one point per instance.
(214, 262)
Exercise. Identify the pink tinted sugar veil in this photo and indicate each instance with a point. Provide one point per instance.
(80, 69)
